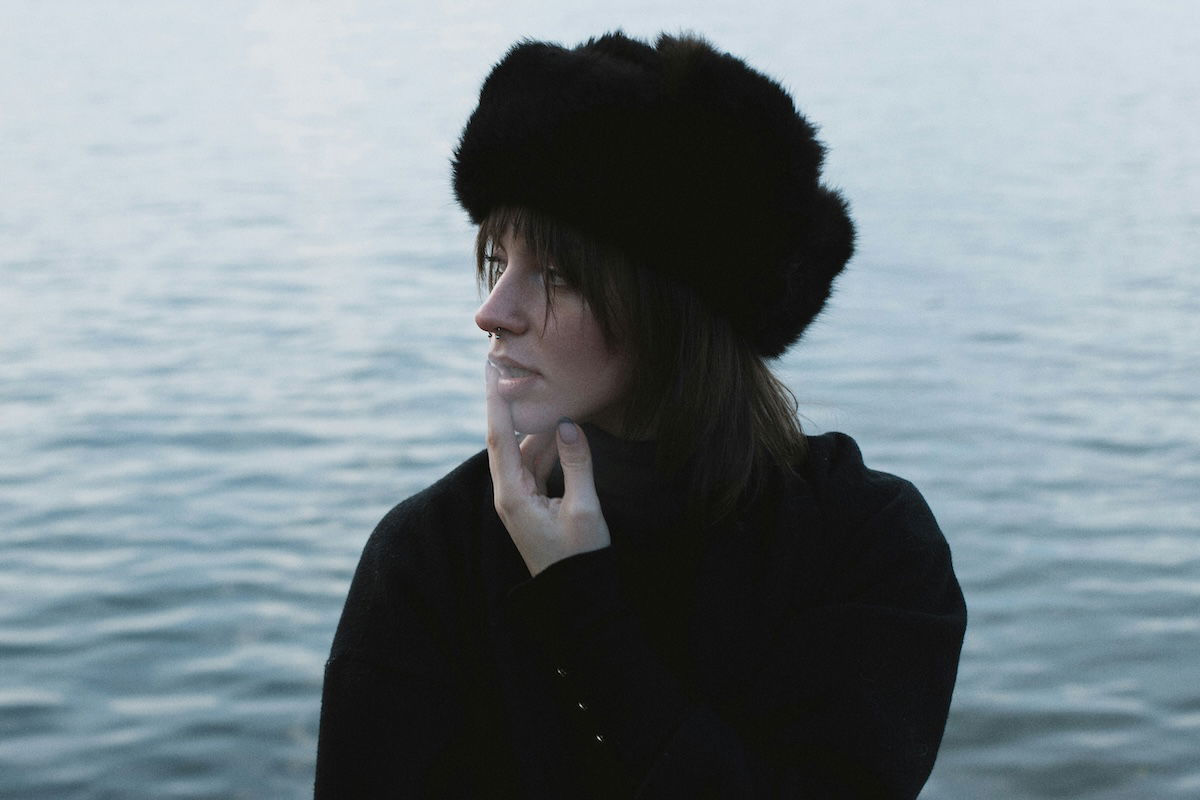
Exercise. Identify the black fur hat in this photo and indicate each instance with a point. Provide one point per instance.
(684, 157)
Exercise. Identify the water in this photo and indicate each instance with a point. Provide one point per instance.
(235, 303)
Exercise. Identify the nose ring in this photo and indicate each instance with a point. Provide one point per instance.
(496, 333)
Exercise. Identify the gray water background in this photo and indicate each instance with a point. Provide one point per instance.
(235, 328)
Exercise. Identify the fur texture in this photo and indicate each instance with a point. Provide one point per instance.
(683, 156)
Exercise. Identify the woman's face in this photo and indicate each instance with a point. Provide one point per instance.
(554, 364)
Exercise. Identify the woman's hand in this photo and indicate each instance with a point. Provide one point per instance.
(544, 529)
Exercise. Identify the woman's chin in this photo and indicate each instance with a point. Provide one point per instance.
(534, 421)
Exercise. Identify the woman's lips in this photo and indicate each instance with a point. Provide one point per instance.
(511, 374)
(513, 371)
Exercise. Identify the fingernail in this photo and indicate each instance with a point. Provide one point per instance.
(567, 431)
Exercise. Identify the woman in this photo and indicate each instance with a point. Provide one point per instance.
(660, 587)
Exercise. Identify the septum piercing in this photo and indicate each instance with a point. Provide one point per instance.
(495, 332)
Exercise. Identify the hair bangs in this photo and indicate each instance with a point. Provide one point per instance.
(564, 255)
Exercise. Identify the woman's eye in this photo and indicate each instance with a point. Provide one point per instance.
(496, 265)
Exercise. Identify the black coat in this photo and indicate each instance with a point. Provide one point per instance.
(806, 648)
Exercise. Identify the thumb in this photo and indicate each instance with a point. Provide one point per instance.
(575, 457)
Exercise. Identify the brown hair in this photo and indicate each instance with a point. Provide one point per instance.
(704, 395)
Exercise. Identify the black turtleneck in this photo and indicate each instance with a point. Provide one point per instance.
(806, 647)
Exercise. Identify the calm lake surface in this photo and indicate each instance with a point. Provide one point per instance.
(235, 328)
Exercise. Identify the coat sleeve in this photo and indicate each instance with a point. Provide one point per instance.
(848, 698)
(400, 710)
(375, 690)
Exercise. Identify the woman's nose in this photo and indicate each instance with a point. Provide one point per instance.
(504, 308)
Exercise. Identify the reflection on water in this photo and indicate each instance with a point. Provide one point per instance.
(237, 327)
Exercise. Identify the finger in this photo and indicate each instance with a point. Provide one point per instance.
(579, 485)
(539, 453)
(504, 455)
